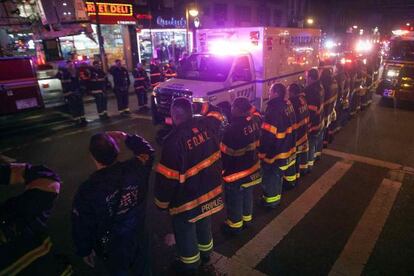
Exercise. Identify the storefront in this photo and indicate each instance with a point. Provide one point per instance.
(161, 37)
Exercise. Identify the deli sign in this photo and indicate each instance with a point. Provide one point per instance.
(111, 13)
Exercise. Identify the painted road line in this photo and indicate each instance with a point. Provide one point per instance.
(226, 266)
(363, 159)
(259, 247)
(6, 159)
(359, 247)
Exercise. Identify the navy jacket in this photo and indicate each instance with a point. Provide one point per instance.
(95, 200)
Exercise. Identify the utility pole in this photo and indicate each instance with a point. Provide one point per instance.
(104, 60)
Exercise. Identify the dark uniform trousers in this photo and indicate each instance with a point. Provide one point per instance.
(194, 240)
(75, 104)
(272, 183)
(319, 143)
(314, 141)
(141, 95)
(239, 203)
(122, 98)
(101, 101)
(302, 159)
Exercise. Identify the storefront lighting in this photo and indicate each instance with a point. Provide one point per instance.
(193, 12)
(310, 21)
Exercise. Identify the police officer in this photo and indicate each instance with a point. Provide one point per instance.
(277, 148)
(188, 184)
(121, 86)
(69, 77)
(330, 87)
(109, 208)
(241, 165)
(156, 73)
(141, 84)
(97, 86)
(25, 245)
(315, 98)
(297, 98)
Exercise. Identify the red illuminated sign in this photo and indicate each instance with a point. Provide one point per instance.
(111, 13)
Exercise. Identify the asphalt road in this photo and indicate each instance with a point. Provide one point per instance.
(353, 215)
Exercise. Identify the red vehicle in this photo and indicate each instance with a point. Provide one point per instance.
(19, 89)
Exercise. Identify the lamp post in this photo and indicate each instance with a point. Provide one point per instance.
(190, 10)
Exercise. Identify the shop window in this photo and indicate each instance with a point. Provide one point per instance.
(242, 70)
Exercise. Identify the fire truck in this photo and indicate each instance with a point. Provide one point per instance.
(396, 74)
(234, 62)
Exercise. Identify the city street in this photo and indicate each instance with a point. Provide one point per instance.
(354, 214)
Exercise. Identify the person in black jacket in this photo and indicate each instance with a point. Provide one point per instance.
(277, 148)
(69, 77)
(121, 86)
(25, 245)
(141, 85)
(109, 208)
(97, 85)
(188, 183)
(241, 165)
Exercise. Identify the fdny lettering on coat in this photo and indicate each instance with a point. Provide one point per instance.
(197, 139)
(254, 127)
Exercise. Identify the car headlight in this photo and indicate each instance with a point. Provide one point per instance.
(392, 73)
(200, 99)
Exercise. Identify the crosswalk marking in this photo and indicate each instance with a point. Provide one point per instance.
(227, 266)
(359, 247)
(257, 248)
(364, 159)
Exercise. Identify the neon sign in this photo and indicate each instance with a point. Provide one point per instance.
(110, 9)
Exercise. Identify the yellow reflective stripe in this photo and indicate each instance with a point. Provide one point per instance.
(239, 175)
(292, 163)
(311, 163)
(247, 218)
(160, 204)
(238, 224)
(196, 202)
(303, 166)
(28, 258)
(282, 135)
(317, 154)
(167, 172)
(216, 115)
(279, 156)
(302, 140)
(269, 128)
(200, 166)
(290, 178)
(206, 247)
(239, 152)
(190, 260)
(208, 213)
(249, 184)
(272, 199)
(301, 123)
(68, 271)
(316, 127)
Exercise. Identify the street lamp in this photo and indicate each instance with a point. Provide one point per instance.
(310, 21)
(190, 10)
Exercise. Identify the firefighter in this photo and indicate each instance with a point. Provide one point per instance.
(277, 148)
(108, 212)
(121, 86)
(69, 77)
(156, 73)
(330, 87)
(97, 86)
(141, 84)
(241, 165)
(25, 245)
(188, 184)
(297, 98)
(170, 70)
(315, 98)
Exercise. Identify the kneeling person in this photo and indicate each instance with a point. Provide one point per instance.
(241, 165)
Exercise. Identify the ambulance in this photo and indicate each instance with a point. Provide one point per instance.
(396, 74)
(234, 62)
